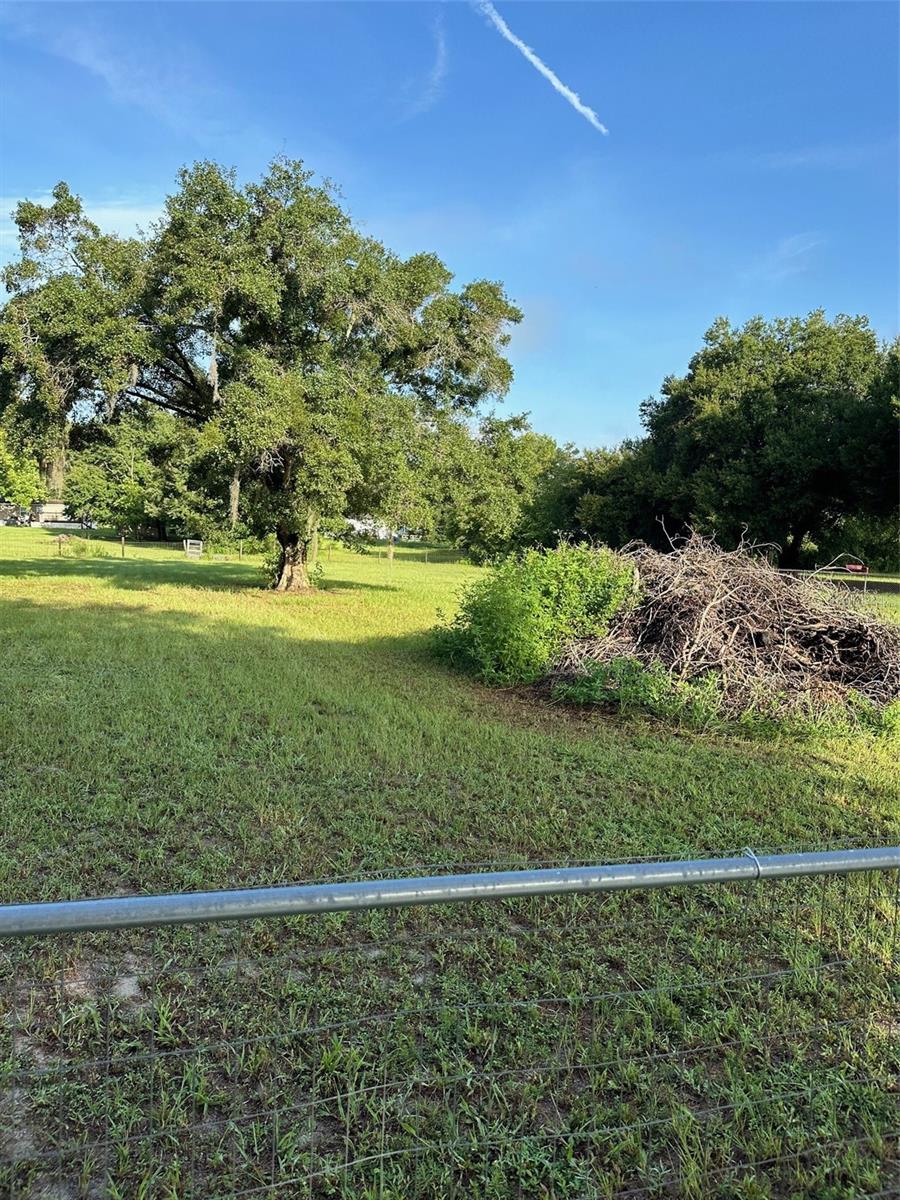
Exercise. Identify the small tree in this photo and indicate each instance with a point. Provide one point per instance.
(132, 473)
(397, 468)
(487, 483)
(20, 477)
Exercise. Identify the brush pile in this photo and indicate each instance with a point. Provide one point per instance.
(768, 638)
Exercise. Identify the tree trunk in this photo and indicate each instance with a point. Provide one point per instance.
(234, 497)
(293, 575)
(790, 555)
(299, 549)
(390, 545)
(298, 554)
(53, 473)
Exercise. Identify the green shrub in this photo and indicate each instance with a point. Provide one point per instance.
(513, 620)
(631, 686)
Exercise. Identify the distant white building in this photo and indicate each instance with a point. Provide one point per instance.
(370, 527)
(52, 512)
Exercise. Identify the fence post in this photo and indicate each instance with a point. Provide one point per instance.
(241, 548)
(123, 545)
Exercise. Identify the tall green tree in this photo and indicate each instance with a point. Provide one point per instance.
(134, 474)
(397, 464)
(258, 314)
(71, 331)
(487, 484)
(621, 496)
(781, 428)
(784, 431)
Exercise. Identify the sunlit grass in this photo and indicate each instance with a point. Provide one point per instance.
(270, 737)
(171, 725)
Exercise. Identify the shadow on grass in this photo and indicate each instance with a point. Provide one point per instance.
(184, 749)
(135, 573)
(142, 574)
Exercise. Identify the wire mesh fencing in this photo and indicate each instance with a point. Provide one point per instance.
(725, 1039)
(72, 545)
(51, 547)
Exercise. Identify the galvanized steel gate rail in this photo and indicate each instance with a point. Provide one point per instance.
(74, 916)
(702, 1015)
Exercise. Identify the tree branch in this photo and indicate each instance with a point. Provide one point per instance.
(151, 395)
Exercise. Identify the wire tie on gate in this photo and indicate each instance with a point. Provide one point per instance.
(750, 854)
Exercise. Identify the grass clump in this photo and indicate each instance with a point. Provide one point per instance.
(79, 547)
(631, 687)
(516, 618)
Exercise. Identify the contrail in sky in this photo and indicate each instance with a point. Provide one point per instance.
(555, 82)
(436, 76)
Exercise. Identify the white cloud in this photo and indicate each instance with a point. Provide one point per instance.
(791, 256)
(168, 86)
(552, 78)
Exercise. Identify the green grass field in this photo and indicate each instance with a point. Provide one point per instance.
(169, 725)
(886, 603)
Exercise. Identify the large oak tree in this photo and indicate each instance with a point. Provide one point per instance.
(781, 428)
(260, 315)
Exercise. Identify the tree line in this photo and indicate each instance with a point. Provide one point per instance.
(783, 432)
(255, 366)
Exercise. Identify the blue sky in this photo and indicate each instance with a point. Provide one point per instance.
(750, 166)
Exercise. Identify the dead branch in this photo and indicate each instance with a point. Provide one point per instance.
(793, 639)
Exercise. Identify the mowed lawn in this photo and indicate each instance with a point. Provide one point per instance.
(170, 725)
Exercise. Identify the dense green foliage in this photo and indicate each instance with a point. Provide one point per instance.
(782, 432)
(514, 618)
(133, 475)
(20, 478)
(785, 431)
(259, 317)
(484, 486)
(307, 374)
